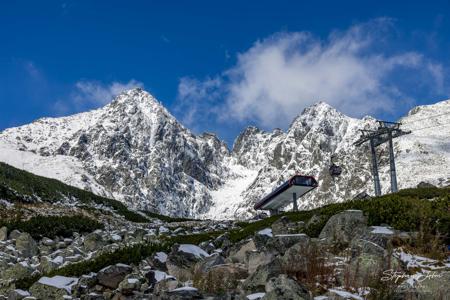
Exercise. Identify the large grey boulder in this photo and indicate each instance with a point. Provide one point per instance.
(26, 245)
(111, 276)
(94, 241)
(18, 271)
(18, 294)
(257, 258)
(48, 242)
(239, 252)
(130, 285)
(230, 274)
(223, 241)
(221, 278)
(280, 243)
(380, 235)
(182, 259)
(14, 234)
(153, 277)
(158, 261)
(209, 262)
(207, 246)
(298, 258)
(85, 283)
(47, 264)
(343, 227)
(367, 262)
(363, 269)
(53, 288)
(3, 233)
(262, 237)
(231, 271)
(165, 285)
(283, 287)
(257, 281)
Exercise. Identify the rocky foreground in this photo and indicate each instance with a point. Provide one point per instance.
(348, 260)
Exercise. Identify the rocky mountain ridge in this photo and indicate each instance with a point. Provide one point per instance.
(135, 151)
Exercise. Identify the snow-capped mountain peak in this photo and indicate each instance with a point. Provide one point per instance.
(134, 150)
(138, 100)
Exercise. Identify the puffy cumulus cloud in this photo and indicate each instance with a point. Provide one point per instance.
(279, 76)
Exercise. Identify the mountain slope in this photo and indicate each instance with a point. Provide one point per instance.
(424, 154)
(306, 148)
(132, 150)
(321, 132)
(135, 151)
(18, 186)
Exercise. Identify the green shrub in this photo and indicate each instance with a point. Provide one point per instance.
(21, 186)
(405, 210)
(194, 238)
(53, 226)
(164, 218)
(242, 224)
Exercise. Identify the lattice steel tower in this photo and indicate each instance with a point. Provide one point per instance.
(385, 133)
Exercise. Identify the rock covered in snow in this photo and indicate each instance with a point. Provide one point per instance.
(18, 294)
(182, 259)
(53, 287)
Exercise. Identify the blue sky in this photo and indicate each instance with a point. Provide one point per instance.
(220, 66)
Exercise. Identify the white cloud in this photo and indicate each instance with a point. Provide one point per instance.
(97, 93)
(196, 98)
(279, 76)
(92, 94)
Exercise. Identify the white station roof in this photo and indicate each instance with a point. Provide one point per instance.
(282, 196)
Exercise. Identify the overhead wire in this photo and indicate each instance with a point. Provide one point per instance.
(432, 126)
(427, 118)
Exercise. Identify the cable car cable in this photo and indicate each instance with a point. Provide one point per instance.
(431, 126)
(421, 119)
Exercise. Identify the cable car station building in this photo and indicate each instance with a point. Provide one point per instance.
(289, 192)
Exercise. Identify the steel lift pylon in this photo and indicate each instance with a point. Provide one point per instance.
(386, 132)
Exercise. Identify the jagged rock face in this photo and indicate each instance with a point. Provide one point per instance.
(149, 155)
(320, 132)
(134, 150)
(306, 148)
